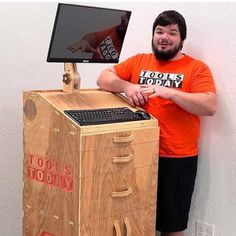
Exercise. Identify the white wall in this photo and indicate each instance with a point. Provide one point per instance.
(25, 31)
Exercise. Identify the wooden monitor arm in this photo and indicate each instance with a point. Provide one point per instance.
(71, 78)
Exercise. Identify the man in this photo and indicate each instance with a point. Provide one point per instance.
(104, 44)
(176, 89)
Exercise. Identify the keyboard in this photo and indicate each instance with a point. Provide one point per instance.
(103, 116)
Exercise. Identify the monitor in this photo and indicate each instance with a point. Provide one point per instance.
(86, 34)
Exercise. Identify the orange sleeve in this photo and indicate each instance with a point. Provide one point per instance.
(124, 69)
(202, 80)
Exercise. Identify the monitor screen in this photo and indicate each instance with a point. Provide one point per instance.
(87, 34)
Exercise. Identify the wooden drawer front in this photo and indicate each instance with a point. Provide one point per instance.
(119, 139)
(116, 193)
(104, 161)
(140, 223)
(137, 223)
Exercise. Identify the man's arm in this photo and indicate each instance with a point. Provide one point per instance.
(110, 81)
(202, 104)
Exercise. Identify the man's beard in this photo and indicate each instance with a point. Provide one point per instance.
(166, 55)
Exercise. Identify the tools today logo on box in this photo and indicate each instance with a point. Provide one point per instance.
(51, 172)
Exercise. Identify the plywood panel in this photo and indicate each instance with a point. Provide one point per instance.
(137, 223)
(51, 169)
(102, 161)
(119, 139)
(97, 193)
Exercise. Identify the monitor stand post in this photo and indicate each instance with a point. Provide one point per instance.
(71, 78)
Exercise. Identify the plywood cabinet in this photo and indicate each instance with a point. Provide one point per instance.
(87, 181)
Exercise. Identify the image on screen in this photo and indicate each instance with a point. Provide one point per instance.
(87, 34)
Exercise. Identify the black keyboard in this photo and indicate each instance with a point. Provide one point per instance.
(103, 116)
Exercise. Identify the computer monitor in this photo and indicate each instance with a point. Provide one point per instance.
(86, 34)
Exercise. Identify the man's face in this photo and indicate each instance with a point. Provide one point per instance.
(166, 42)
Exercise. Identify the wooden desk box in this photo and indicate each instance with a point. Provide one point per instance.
(97, 180)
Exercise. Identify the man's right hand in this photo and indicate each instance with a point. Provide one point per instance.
(134, 95)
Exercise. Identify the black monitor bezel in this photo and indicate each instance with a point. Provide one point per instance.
(77, 60)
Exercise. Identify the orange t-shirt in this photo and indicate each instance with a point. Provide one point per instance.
(109, 45)
(179, 129)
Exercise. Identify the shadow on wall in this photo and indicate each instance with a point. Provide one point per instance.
(215, 146)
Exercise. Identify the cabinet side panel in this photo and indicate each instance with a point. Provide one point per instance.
(51, 171)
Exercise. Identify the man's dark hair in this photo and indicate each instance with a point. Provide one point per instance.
(171, 17)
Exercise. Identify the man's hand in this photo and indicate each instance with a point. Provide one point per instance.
(157, 91)
(82, 45)
(134, 95)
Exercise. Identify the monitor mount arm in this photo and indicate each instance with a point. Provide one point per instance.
(71, 78)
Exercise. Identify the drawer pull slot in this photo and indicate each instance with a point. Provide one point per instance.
(122, 159)
(122, 140)
(117, 228)
(127, 226)
(125, 193)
